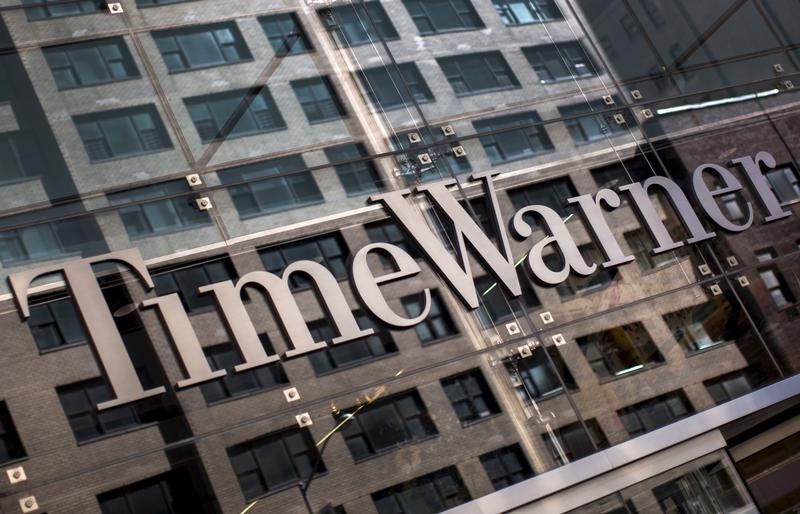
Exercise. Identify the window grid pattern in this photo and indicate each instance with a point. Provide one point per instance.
(356, 24)
(438, 325)
(212, 114)
(187, 278)
(353, 353)
(285, 34)
(241, 383)
(521, 12)
(513, 137)
(386, 89)
(330, 250)
(202, 46)
(91, 63)
(574, 443)
(435, 16)
(506, 466)
(619, 350)
(478, 73)
(470, 396)
(122, 133)
(60, 9)
(55, 323)
(318, 99)
(357, 174)
(434, 492)
(80, 406)
(559, 61)
(655, 413)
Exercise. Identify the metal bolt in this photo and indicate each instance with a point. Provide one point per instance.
(608, 99)
(547, 317)
(704, 269)
(448, 130)
(559, 340)
(512, 328)
(647, 113)
(115, 8)
(291, 394)
(459, 151)
(636, 94)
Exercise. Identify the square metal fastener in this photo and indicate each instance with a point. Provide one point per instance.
(559, 340)
(546, 317)
(608, 99)
(413, 137)
(459, 151)
(647, 113)
(16, 475)
(715, 289)
(28, 504)
(304, 420)
(448, 130)
(524, 351)
(291, 394)
(194, 180)
(704, 269)
(203, 203)
(424, 158)
(732, 261)
(636, 94)
(743, 281)
(512, 328)
(619, 119)
(115, 8)
(778, 68)
(787, 84)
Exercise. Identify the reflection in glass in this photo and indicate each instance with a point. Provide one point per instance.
(619, 350)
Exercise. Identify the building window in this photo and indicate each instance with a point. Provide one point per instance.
(709, 488)
(552, 194)
(734, 206)
(497, 306)
(271, 186)
(574, 443)
(386, 89)
(352, 24)
(387, 424)
(535, 378)
(90, 63)
(211, 114)
(285, 34)
(80, 405)
(470, 396)
(584, 129)
(506, 466)
(438, 325)
(655, 413)
(471, 74)
(58, 8)
(619, 350)
(275, 461)
(153, 215)
(329, 250)
(434, 16)
(203, 46)
(705, 325)
(434, 492)
(186, 278)
(728, 387)
(559, 61)
(784, 183)
(163, 494)
(318, 99)
(12, 151)
(356, 173)
(353, 353)
(516, 137)
(239, 383)
(69, 237)
(11, 447)
(54, 322)
(773, 280)
(621, 173)
(521, 12)
(122, 133)
(575, 284)
(641, 247)
(387, 231)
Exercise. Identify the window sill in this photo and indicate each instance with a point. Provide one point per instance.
(62, 347)
(94, 84)
(691, 353)
(383, 108)
(231, 137)
(540, 22)
(451, 31)
(373, 41)
(390, 449)
(547, 396)
(467, 424)
(566, 79)
(646, 367)
(47, 258)
(327, 120)
(280, 489)
(131, 156)
(442, 340)
(522, 158)
(487, 91)
(52, 18)
(169, 232)
(118, 433)
(356, 364)
(18, 460)
(246, 217)
(248, 394)
(210, 66)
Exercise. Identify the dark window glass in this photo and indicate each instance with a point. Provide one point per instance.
(432, 16)
(773, 280)
(437, 325)
(506, 466)
(10, 445)
(285, 34)
(239, 383)
(709, 488)
(318, 99)
(574, 443)
(552, 194)
(559, 61)
(356, 24)
(54, 322)
(186, 278)
(619, 350)
(592, 127)
(413, 171)
(387, 424)
(387, 231)
(497, 306)
(274, 461)
(271, 186)
(386, 90)
(357, 174)
(520, 12)
(785, 183)
(728, 387)
(427, 494)
(705, 325)
(478, 73)
(620, 173)
(513, 138)
(122, 132)
(12, 155)
(353, 353)
(80, 405)
(535, 378)
(58, 8)
(470, 396)
(255, 113)
(201, 46)
(155, 215)
(575, 284)
(655, 413)
(329, 250)
(90, 63)
(163, 494)
(641, 245)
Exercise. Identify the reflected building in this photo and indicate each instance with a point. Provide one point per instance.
(225, 139)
